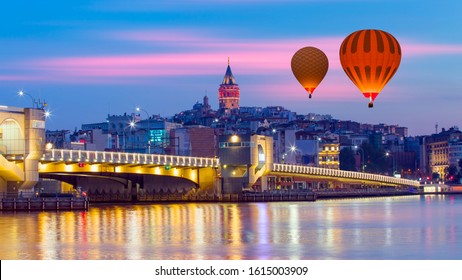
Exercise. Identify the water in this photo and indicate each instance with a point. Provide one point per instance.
(427, 227)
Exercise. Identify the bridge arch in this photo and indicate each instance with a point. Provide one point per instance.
(118, 186)
(11, 137)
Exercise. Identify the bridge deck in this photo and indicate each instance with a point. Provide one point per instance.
(349, 175)
(120, 158)
(99, 157)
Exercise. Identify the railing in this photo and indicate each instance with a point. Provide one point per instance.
(310, 170)
(99, 157)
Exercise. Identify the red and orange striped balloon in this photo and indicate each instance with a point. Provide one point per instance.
(309, 66)
(370, 58)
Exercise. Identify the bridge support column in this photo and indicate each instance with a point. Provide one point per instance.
(208, 181)
(264, 183)
(134, 187)
(3, 184)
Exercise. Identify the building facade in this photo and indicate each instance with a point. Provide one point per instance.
(437, 151)
(329, 156)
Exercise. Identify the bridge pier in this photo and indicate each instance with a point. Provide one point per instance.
(21, 147)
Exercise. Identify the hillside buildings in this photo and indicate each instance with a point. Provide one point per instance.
(310, 139)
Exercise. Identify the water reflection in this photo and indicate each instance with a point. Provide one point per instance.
(378, 228)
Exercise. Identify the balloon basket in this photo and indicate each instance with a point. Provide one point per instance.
(371, 105)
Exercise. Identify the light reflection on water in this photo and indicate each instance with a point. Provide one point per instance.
(414, 227)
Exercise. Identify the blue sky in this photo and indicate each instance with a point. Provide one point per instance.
(91, 58)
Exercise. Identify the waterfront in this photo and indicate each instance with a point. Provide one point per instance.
(410, 227)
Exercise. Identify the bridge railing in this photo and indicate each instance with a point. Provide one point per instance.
(83, 156)
(311, 170)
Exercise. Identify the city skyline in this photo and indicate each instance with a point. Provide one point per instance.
(90, 59)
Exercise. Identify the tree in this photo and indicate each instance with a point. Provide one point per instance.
(374, 158)
(452, 174)
(435, 176)
(347, 160)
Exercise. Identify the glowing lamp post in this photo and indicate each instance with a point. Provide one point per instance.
(35, 103)
(362, 156)
(138, 109)
(131, 125)
(388, 154)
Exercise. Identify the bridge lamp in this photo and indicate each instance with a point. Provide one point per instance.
(49, 146)
(234, 139)
(363, 166)
(293, 148)
(22, 93)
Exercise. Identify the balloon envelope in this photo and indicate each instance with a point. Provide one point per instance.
(370, 58)
(309, 66)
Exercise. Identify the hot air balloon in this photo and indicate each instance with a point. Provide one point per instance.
(309, 66)
(370, 58)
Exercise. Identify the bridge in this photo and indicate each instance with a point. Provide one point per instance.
(245, 163)
(116, 172)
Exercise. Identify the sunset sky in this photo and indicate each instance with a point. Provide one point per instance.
(88, 59)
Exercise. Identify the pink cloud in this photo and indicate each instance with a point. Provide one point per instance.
(21, 78)
(422, 49)
(262, 58)
(192, 53)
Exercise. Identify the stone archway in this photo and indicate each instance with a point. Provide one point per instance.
(11, 138)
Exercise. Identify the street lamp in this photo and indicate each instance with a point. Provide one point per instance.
(388, 154)
(293, 156)
(293, 148)
(138, 109)
(362, 156)
(22, 93)
(131, 125)
(35, 103)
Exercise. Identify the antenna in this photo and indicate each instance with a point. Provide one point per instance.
(436, 128)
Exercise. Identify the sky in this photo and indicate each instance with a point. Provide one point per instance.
(88, 59)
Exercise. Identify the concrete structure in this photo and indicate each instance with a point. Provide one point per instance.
(22, 140)
(195, 141)
(246, 158)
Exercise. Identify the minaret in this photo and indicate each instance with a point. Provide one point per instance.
(228, 93)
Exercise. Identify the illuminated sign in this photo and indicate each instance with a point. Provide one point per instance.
(38, 124)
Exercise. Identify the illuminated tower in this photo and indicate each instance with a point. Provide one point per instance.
(228, 93)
